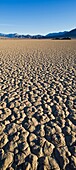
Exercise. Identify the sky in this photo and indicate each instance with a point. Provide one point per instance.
(37, 16)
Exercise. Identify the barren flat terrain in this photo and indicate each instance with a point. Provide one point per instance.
(37, 111)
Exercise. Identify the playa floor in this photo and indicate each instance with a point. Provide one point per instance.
(38, 104)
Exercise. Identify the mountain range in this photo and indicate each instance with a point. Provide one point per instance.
(58, 35)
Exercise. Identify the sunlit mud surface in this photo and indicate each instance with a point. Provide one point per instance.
(38, 104)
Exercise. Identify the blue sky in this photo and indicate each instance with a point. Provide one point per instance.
(37, 16)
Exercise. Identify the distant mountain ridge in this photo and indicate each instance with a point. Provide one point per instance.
(58, 35)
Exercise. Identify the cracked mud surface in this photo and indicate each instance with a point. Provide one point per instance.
(38, 104)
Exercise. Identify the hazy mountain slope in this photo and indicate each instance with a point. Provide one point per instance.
(65, 34)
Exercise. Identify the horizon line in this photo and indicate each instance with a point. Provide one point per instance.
(36, 33)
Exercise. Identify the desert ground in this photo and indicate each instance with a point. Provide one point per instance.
(38, 104)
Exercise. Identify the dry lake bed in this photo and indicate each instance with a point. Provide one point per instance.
(38, 104)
